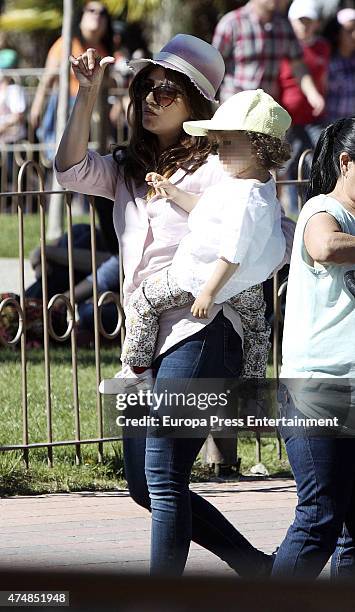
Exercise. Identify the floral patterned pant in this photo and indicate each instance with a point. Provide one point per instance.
(160, 292)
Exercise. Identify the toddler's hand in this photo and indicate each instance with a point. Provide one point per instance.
(162, 185)
(201, 307)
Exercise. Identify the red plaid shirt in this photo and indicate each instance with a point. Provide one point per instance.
(252, 50)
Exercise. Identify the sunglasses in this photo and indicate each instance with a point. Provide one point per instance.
(163, 94)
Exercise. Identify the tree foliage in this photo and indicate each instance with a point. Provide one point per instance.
(47, 14)
(31, 15)
(133, 10)
(30, 20)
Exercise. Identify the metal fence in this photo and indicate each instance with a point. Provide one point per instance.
(14, 155)
(19, 197)
(48, 331)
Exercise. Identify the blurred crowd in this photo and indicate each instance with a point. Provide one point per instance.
(265, 43)
(34, 117)
(298, 56)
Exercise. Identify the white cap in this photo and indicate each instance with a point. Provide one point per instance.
(303, 8)
(346, 15)
(251, 111)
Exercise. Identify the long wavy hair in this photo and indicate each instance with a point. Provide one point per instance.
(325, 171)
(142, 154)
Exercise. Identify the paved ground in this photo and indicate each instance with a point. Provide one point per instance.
(108, 531)
(10, 276)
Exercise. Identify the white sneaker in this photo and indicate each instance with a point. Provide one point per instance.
(131, 381)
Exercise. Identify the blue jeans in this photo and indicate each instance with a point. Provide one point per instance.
(158, 469)
(58, 279)
(109, 316)
(324, 524)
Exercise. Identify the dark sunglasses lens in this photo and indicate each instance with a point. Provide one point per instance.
(164, 96)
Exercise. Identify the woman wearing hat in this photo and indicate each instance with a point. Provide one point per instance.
(177, 85)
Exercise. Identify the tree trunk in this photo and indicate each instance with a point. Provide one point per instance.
(164, 24)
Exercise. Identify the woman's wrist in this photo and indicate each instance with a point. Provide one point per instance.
(89, 91)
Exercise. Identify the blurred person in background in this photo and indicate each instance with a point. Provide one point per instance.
(121, 53)
(12, 112)
(327, 9)
(253, 40)
(340, 100)
(129, 43)
(306, 127)
(58, 271)
(92, 28)
(107, 280)
(12, 101)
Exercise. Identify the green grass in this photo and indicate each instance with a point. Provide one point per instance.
(9, 233)
(66, 475)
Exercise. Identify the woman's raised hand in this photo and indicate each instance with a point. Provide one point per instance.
(89, 67)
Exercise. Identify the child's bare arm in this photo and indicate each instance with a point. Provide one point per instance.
(222, 273)
(186, 201)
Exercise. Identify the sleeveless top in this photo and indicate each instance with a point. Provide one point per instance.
(319, 330)
(318, 365)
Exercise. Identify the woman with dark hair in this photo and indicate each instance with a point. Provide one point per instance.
(92, 28)
(318, 366)
(178, 84)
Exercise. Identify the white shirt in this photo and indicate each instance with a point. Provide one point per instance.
(239, 220)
